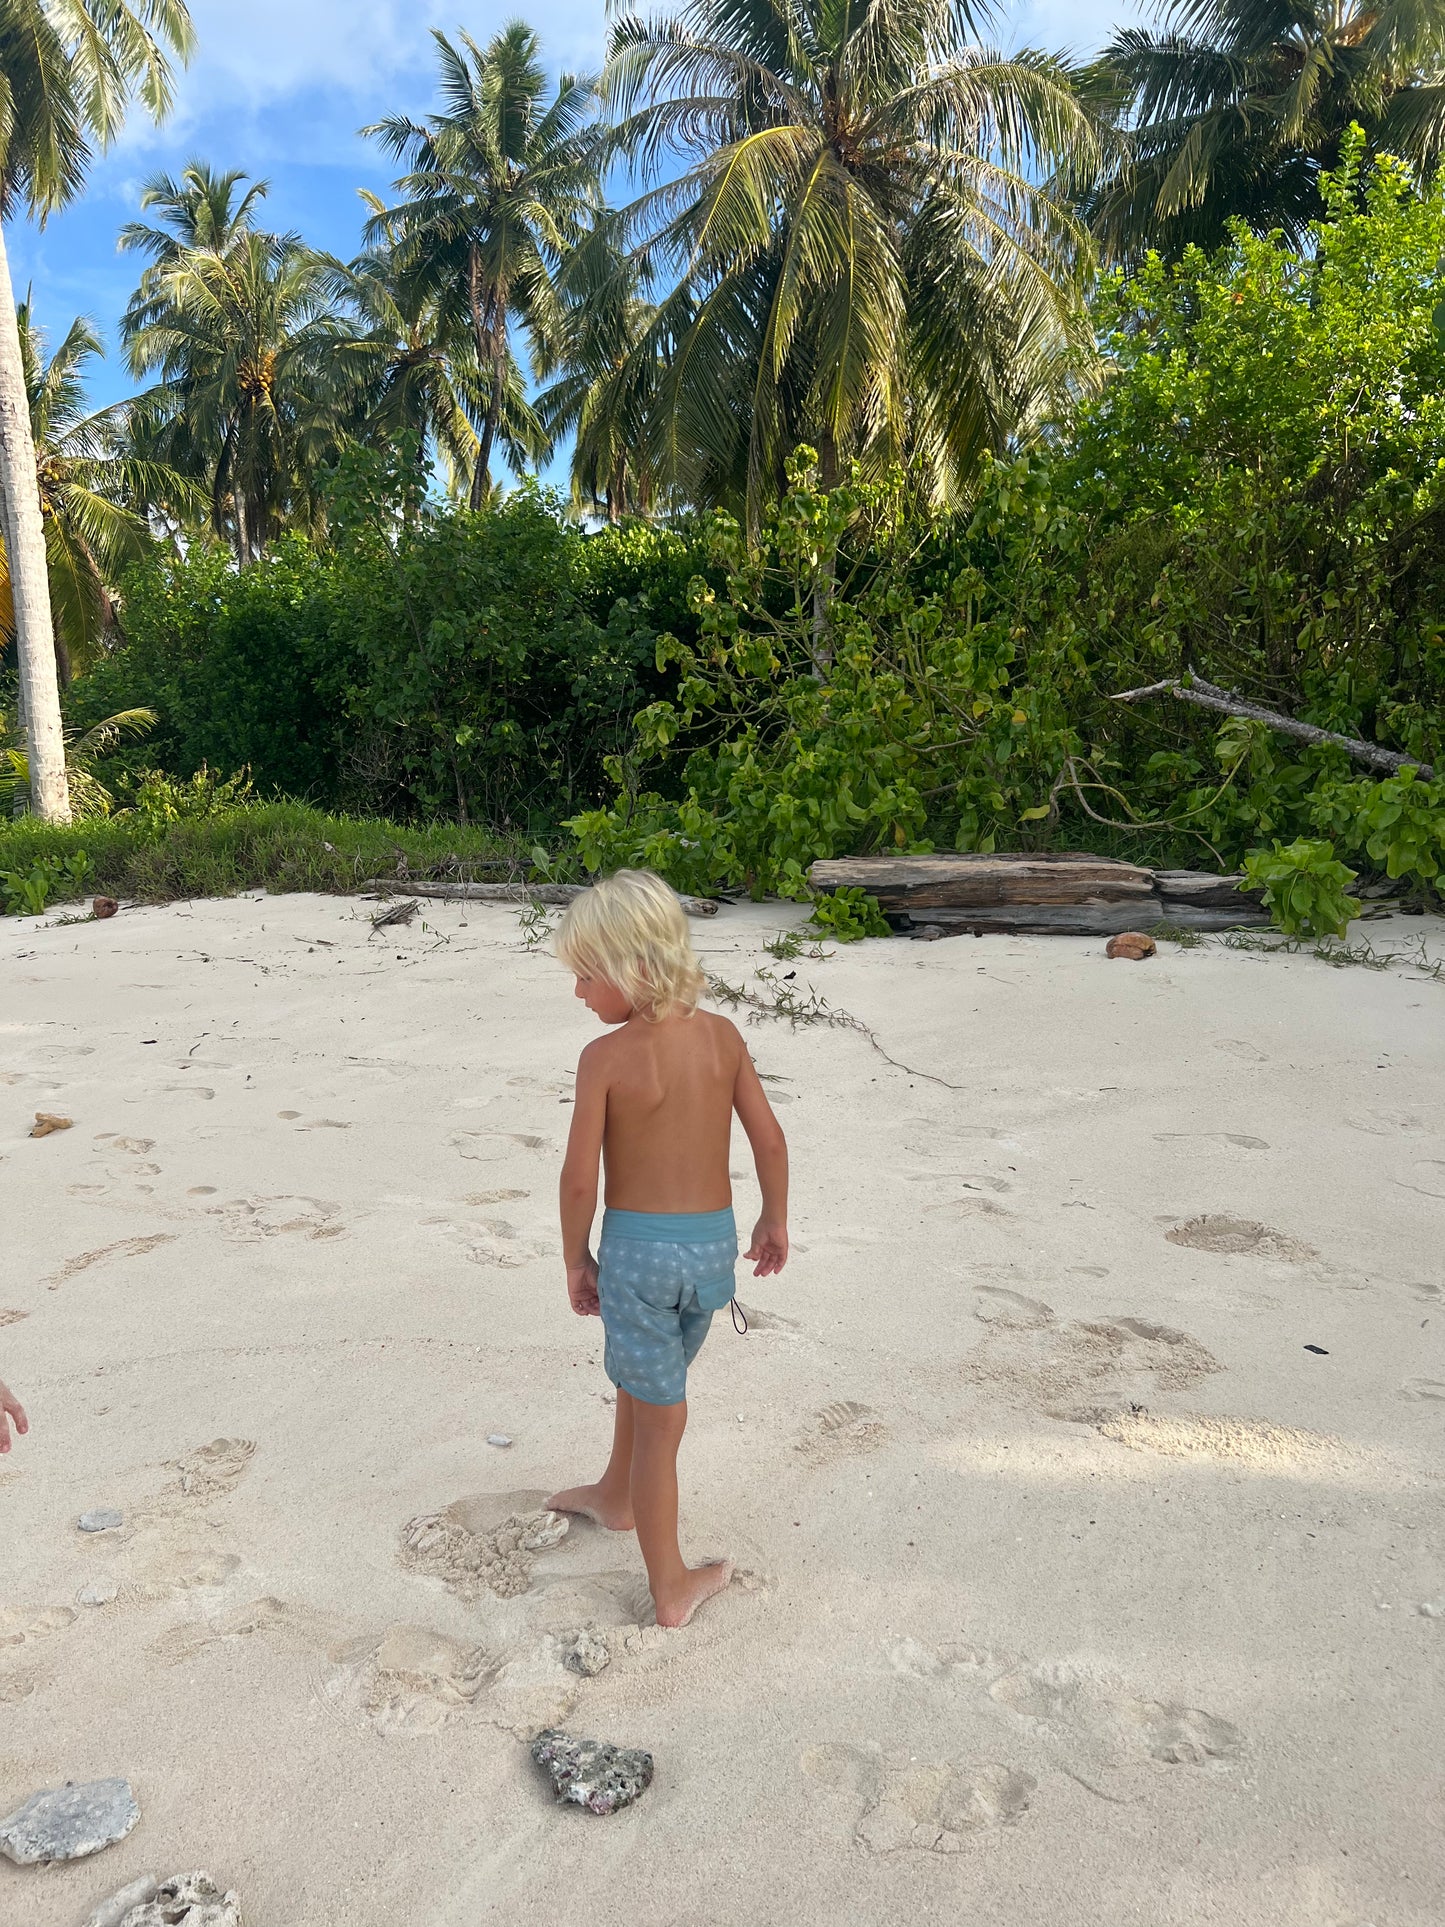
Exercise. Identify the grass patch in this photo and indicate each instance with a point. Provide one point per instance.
(276, 846)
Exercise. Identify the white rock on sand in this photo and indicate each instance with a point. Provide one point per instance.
(1075, 1591)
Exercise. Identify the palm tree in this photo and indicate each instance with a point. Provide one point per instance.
(603, 387)
(200, 210)
(498, 188)
(416, 366)
(256, 364)
(867, 261)
(68, 71)
(93, 493)
(1233, 108)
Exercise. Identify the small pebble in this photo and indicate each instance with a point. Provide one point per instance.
(589, 1654)
(104, 1518)
(498, 1438)
(1431, 1609)
(100, 1593)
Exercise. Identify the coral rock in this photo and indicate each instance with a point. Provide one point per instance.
(47, 1121)
(185, 1900)
(588, 1654)
(66, 1823)
(592, 1773)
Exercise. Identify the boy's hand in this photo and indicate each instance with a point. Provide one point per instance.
(769, 1247)
(582, 1288)
(10, 1408)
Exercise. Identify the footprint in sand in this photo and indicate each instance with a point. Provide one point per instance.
(1239, 1047)
(1213, 1231)
(122, 1248)
(202, 1091)
(250, 1220)
(194, 1569)
(769, 1321)
(493, 1243)
(1255, 1443)
(491, 1147)
(1427, 1388)
(1050, 1363)
(998, 1306)
(932, 1808)
(839, 1431)
(9, 1316)
(494, 1197)
(266, 1618)
(24, 1634)
(1066, 1700)
(488, 1542)
(210, 1471)
(409, 1680)
(1389, 1124)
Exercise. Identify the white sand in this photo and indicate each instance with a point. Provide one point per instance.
(1007, 1650)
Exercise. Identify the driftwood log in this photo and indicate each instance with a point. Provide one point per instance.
(1089, 919)
(906, 883)
(1208, 695)
(1069, 893)
(560, 893)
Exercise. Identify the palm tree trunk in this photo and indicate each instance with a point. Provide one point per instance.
(827, 577)
(29, 575)
(483, 329)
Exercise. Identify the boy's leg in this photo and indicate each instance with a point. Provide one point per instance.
(609, 1502)
(677, 1590)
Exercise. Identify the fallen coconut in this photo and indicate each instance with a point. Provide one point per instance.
(1132, 944)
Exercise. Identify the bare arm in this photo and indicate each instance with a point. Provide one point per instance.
(10, 1408)
(769, 1246)
(578, 1190)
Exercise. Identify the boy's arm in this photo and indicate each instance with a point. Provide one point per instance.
(10, 1408)
(769, 1247)
(578, 1190)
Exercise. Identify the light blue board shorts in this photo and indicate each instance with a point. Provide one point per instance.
(660, 1277)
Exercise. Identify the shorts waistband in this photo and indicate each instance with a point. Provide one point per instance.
(670, 1227)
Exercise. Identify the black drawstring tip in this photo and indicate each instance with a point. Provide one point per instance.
(740, 1321)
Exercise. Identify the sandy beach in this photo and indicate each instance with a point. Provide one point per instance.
(1083, 1469)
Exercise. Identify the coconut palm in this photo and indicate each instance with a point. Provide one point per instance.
(68, 71)
(602, 388)
(1231, 109)
(203, 209)
(257, 366)
(93, 492)
(418, 381)
(866, 259)
(498, 188)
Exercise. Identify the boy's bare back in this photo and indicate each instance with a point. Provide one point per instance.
(669, 1088)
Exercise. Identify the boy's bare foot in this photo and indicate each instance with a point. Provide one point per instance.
(699, 1584)
(596, 1504)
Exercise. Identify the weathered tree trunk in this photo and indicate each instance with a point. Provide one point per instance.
(491, 339)
(553, 893)
(29, 574)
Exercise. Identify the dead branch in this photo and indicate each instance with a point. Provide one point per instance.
(1209, 696)
(511, 893)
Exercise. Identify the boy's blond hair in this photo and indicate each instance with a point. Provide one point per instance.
(631, 930)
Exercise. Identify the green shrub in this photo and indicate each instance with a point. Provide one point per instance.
(1305, 887)
(28, 892)
(848, 914)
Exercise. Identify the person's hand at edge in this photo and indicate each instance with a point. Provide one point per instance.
(769, 1248)
(582, 1288)
(10, 1408)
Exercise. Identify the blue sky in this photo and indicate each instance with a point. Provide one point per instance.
(279, 88)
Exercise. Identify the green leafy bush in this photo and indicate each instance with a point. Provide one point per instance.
(1305, 887)
(848, 914)
(29, 892)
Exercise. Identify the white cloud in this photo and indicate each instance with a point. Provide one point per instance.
(263, 52)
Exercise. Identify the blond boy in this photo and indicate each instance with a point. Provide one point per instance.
(655, 1101)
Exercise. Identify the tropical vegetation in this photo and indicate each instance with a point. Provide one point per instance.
(920, 401)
